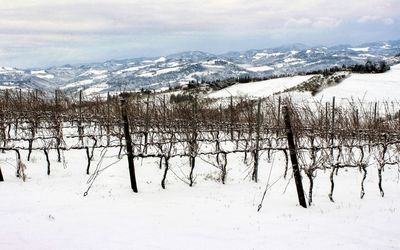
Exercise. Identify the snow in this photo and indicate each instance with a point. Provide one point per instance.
(161, 59)
(147, 74)
(367, 87)
(50, 212)
(42, 74)
(366, 49)
(94, 72)
(260, 89)
(35, 72)
(99, 77)
(213, 66)
(256, 68)
(167, 70)
(386, 46)
(6, 69)
(289, 60)
(362, 87)
(8, 86)
(366, 55)
(131, 69)
(95, 89)
(313, 63)
(78, 84)
(260, 55)
(47, 76)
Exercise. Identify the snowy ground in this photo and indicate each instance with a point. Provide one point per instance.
(367, 87)
(50, 212)
(357, 87)
(260, 89)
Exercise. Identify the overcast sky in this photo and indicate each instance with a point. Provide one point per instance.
(36, 33)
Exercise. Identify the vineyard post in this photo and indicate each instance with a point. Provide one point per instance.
(326, 122)
(80, 107)
(375, 114)
(279, 117)
(59, 126)
(108, 118)
(193, 142)
(332, 125)
(80, 127)
(146, 129)
(56, 98)
(164, 115)
(3, 123)
(256, 151)
(231, 117)
(1, 176)
(128, 142)
(293, 158)
(6, 96)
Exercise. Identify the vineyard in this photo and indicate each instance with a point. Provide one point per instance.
(327, 136)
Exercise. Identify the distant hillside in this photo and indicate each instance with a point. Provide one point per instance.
(180, 68)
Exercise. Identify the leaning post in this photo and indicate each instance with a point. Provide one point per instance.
(293, 158)
(128, 142)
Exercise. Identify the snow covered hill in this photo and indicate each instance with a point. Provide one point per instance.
(180, 68)
(367, 87)
(260, 89)
(355, 87)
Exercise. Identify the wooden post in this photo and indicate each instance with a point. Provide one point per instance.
(333, 125)
(7, 97)
(375, 114)
(193, 142)
(256, 150)
(333, 112)
(108, 118)
(56, 98)
(326, 122)
(1, 176)
(80, 127)
(293, 158)
(164, 113)
(279, 117)
(231, 118)
(80, 106)
(147, 124)
(128, 142)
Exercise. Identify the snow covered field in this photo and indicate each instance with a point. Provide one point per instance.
(260, 89)
(357, 87)
(50, 212)
(367, 87)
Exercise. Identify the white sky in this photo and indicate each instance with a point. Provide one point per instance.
(47, 32)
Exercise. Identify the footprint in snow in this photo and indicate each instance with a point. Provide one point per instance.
(51, 217)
